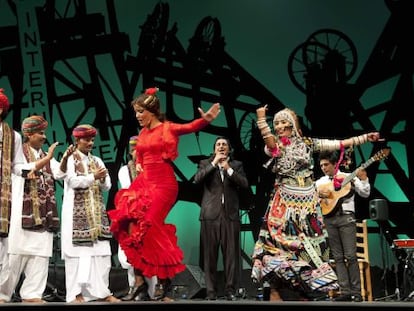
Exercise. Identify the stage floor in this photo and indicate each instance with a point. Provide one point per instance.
(189, 291)
(201, 304)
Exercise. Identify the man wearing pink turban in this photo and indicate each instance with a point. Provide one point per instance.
(85, 235)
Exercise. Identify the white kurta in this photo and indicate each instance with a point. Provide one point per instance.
(27, 242)
(18, 163)
(125, 181)
(29, 251)
(86, 267)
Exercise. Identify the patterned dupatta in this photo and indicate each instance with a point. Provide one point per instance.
(7, 148)
(90, 220)
(132, 170)
(39, 203)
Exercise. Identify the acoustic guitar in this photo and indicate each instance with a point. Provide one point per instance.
(330, 204)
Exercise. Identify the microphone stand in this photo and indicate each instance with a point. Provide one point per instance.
(241, 291)
(385, 238)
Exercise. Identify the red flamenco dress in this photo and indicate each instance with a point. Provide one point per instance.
(151, 245)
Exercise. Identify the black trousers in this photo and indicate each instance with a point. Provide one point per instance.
(221, 234)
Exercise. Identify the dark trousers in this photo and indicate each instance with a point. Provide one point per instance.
(223, 234)
(342, 242)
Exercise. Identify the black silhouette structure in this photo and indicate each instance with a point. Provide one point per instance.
(322, 67)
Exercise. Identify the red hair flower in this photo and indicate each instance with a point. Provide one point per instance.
(151, 90)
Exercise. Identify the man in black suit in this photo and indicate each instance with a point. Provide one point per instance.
(222, 178)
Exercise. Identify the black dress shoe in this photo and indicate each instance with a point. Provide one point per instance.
(230, 297)
(164, 291)
(344, 297)
(211, 297)
(136, 291)
(142, 296)
(357, 298)
(130, 294)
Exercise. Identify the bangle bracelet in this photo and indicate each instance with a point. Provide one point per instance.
(264, 128)
(359, 140)
(363, 139)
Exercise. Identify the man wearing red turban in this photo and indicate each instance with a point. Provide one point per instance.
(11, 161)
(4, 104)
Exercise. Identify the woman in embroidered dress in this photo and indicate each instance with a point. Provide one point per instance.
(85, 231)
(291, 250)
(138, 222)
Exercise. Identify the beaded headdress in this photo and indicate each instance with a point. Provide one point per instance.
(291, 117)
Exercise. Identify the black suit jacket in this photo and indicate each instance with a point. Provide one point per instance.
(209, 177)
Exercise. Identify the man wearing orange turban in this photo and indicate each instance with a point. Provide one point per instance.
(34, 124)
(34, 217)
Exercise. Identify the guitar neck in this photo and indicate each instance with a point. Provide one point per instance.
(351, 176)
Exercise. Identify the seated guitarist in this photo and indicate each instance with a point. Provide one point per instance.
(339, 219)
